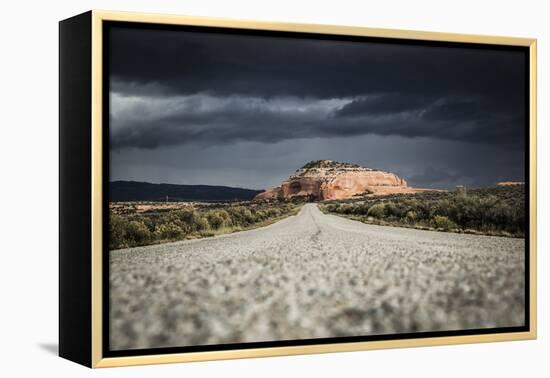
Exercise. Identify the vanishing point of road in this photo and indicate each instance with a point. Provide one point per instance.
(313, 276)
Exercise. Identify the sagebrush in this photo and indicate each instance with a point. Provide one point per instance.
(492, 211)
(129, 227)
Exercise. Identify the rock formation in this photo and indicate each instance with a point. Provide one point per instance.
(510, 183)
(326, 179)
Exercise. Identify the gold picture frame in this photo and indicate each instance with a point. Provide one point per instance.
(96, 264)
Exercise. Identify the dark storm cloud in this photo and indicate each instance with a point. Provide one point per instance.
(408, 90)
(192, 62)
(213, 120)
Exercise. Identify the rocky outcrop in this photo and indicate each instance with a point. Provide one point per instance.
(326, 179)
(508, 183)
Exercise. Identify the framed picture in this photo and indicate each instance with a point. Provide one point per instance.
(235, 189)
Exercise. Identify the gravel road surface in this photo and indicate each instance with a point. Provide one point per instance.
(311, 276)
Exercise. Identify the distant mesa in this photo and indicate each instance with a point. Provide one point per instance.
(326, 180)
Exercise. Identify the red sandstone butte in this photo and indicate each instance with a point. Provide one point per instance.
(326, 180)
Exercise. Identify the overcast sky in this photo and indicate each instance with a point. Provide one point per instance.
(190, 107)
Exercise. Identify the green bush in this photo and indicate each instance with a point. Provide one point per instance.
(202, 224)
(241, 215)
(117, 232)
(129, 228)
(262, 215)
(273, 213)
(215, 219)
(136, 233)
(377, 210)
(496, 210)
(443, 222)
(411, 217)
(390, 210)
(168, 231)
(361, 209)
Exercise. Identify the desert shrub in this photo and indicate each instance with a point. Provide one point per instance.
(215, 219)
(150, 222)
(168, 231)
(248, 216)
(186, 215)
(189, 217)
(442, 207)
(202, 224)
(361, 209)
(487, 210)
(225, 216)
(377, 211)
(347, 208)
(260, 215)
(116, 231)
(273, 213)
(130, 228)
(442, 222)
(411, 217)
(136, 233)
(228, 223)
(365, 208)
(424, 210)
(391, 210)
(240, 215)
(331, 207)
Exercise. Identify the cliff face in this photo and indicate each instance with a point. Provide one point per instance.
(326, 179)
